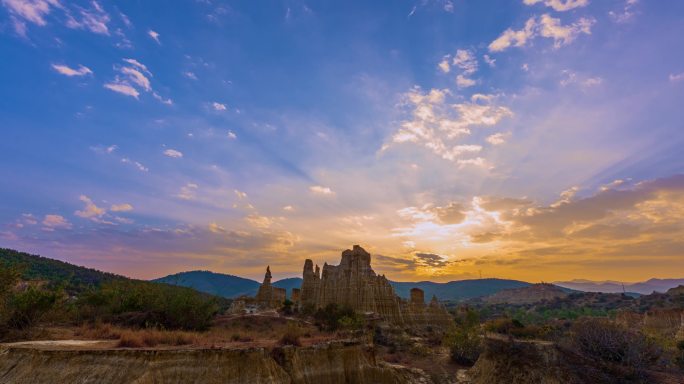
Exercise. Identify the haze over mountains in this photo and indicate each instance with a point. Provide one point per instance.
(644, 288)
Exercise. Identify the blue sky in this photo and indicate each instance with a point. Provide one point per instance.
(447, 137)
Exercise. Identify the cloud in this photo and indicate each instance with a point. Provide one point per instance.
(190, 75)
(138, 165)
(626, 14)
(545, 26)
(514, 38)
(52, 222)
(560, 5)
(497, 138)
(68, 71)
(464, 82)
(676, 77)
(445, 65)
(136, 77)
(490, 61)
(232, 135)
(173, 153)
(188, 191)
(240, 195)
(94, 19)
(138, 65)
(259, 221)
(33, 11)
(154, 35)
(562, 35)
(288, 208)
(438, 126)
(90, 211)
(320, 190)
(432, 260)
(218, 106)
(122, 88)
(121, 207)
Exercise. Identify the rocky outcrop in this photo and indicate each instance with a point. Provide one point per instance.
(353, 283)
(268, 296)
(338, 362)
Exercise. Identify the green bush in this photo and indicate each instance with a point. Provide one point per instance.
(334, 317)
(464, 341)
(145, 304)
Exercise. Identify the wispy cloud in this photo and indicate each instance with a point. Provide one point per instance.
(68, 71)
(122, 88)
(154, 35)
(52, 222)
(560, 5)
(173, 153)
(545, 26)
(218, 106)
(321, 190)
(676, 77)
(94, 19)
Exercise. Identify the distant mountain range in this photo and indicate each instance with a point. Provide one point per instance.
(644, 288)
(233, 286)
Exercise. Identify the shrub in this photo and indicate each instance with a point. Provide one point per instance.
(464, 340)
(606, 341)
(291, 336)
(334, 317)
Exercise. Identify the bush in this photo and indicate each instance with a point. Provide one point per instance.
(291, 336)
(464, 341)
(608, 342)
(334, 317)
(148, 305)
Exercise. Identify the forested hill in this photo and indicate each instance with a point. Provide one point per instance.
(55, 272)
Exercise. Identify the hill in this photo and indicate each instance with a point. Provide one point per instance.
(224, 285)
(527, 295)
(458, 290)
(74, 278)
(644, 287)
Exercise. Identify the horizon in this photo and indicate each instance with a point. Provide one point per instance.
(534, 140)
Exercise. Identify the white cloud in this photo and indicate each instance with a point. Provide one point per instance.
(464, 82)
(52, 222)
(514, 38)
(33, 11)
(190, 75)
(94, 19)
(90, 211)
(676, 77)
(140, 167)
(136, 77)
(68, 71)
(123, 88)
(138, 65)
(560, 5)
(232, 135)
(154, 35)
(320, 190)
(259, 221)
(218, 106)
(125, 207)
(437, 125)
(448, 6)
(562, 35)
(465, 60)
(444, 65)
(240, 195)
(491, 62)
(288, 208)
(173, 153)
(546, 26)
(497, 138)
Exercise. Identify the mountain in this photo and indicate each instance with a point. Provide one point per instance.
(74, 278)
(224, 285)
(644, 288)
(527, 295)
(232, 286)
(458, 290)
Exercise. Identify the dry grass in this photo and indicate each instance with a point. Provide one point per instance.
(152, 338)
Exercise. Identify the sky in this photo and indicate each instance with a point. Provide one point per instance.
(538, 140)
